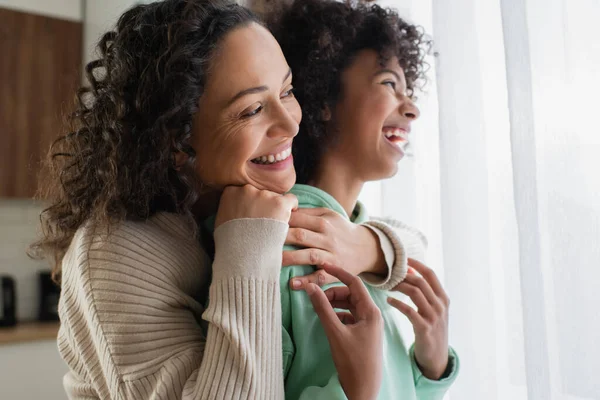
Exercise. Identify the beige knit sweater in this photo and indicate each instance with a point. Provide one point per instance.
(130, 322)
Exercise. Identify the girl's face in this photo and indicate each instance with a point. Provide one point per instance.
(248, 115)
(373, 117)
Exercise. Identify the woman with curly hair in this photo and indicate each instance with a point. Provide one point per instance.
(190, 113)
(356, 68)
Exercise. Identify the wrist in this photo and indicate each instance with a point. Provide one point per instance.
(435, 371)
(374, 261)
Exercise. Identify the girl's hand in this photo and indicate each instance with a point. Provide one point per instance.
(430, 322)
(355, 337)
(329, 238)
(249, 202)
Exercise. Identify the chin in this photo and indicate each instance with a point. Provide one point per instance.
(285, 187)
(281, 187)
(386, 172)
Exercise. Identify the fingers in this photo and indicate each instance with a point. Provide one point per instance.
(413, 316)
(327, 315)
(318, 212)
(346, 318)
(306, 238)
(315, 223)
(430, 276)
(364, 307)
(426, 289)
(319, 278)
(417, 296)
(291, 201)
(309, 256)
(340, 297)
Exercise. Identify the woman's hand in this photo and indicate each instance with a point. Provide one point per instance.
(329, 238)
(249, 202)
(430, 322)
(355, 337)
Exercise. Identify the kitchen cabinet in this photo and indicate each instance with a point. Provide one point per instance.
(40, 69)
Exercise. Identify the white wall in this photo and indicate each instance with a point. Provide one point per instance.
(63, 9)
(99, 17)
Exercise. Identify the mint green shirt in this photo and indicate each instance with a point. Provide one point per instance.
(308, 365)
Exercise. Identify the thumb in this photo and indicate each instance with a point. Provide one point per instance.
(326, 314)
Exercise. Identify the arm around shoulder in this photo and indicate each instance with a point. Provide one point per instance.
(130, 323)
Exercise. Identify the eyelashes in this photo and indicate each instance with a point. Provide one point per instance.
(288, 93)
(253, 112)
(391, 84)
(257, 110)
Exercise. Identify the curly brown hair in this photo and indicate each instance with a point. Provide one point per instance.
(117, 162)
(320, 39)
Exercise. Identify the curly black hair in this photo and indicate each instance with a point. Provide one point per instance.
(320, 39)
(117, 161)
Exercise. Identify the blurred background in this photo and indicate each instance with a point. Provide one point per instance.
(503, 178)
(44, 45)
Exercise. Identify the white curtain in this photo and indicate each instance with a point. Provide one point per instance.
(505, 182)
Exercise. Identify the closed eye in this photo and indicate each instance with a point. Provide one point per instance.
(288, 93)
(252, 112)
(391, 84)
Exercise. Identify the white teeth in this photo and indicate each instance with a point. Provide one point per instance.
(396, 133)
(272, 158)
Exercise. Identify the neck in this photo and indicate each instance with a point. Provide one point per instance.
(207, 204)
(340, 181)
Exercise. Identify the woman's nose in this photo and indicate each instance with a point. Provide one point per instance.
(285, 125)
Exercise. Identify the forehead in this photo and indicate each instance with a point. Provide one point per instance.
(247, 57)
(368, 62)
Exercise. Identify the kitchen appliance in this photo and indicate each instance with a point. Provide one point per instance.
(8, 300)
(49, 295)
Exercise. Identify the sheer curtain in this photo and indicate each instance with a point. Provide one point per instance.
(505, 182)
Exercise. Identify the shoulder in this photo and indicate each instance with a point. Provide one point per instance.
(132, 292)
(161, 250)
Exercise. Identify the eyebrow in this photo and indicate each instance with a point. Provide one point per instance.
(257, 89)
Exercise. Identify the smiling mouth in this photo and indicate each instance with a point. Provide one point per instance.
(273, 158)
(396, 136)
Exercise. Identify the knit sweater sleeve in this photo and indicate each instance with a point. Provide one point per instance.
(398, 242)
(130, 326)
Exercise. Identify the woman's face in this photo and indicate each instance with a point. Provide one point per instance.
(373, 117)
(248, 115)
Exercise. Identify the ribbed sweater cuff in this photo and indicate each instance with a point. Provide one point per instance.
(243, 357)
(249, 248)
(395, 257)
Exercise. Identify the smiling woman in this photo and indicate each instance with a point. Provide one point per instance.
(121, 230)
(250, 127)
(190, 113)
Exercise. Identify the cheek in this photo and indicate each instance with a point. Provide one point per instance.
(222, 157)
(381, 107)
(367, 116)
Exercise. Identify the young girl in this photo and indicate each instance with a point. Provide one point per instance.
(355, 71)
